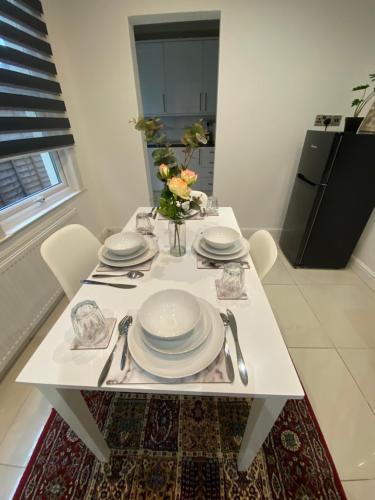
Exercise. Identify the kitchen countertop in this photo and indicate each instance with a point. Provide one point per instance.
(179, 145)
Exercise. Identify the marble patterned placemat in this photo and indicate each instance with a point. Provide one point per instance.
(216, 372)
(76, 344)
(221, 296)
(205, 263)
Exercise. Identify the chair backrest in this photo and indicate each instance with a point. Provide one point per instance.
(71, 254)
(201, 195)
(263, 251)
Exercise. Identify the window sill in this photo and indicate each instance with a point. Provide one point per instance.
(7, 232)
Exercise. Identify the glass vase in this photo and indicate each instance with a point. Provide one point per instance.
(177, 238)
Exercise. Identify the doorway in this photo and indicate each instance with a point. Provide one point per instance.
(177, 69)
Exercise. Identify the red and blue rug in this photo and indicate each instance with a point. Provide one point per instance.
(179, 447)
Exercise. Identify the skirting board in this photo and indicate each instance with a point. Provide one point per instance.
(363, 271)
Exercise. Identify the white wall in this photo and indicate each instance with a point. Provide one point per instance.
(281, 63)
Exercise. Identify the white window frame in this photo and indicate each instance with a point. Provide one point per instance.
(27, 210)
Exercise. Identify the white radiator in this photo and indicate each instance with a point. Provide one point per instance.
(28, 289)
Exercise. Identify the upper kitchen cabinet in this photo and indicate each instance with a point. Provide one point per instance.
(178, 77)
(210, 74)
(183, 70)
(151, 76)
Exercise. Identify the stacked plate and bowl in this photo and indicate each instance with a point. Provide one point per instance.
(221, 243)
(175, 334)
(127, 249)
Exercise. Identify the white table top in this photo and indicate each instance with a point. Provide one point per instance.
(271, 371)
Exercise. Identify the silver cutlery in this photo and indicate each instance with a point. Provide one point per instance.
(127, 325)
(217, 264)
(228, 359)
(122, 330)
(114, 285)
(240, 361)
(130, 274)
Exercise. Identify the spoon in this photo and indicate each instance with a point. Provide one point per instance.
(130, 274)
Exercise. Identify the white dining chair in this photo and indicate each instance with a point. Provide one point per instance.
(263, 251)
(71, 254)
(201, 195)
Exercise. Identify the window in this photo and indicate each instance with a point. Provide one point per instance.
(36, 163)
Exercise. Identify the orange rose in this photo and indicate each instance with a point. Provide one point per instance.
(189, 176)
(179, 187)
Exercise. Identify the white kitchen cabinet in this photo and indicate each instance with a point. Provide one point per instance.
(178, 77)
(210, 51)
(150, 58)
(183, 70)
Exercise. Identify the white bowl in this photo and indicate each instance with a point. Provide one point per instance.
(124, 243)
(170, 314)
(221, 236)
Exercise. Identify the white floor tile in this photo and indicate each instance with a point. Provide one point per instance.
(279, 274)
(346, 312)
(21, 438)
(361, 364)
(320, 276)
(297, 322)
(345, 418)
(9, 479)
(359, 490)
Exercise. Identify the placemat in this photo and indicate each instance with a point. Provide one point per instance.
(204, 263)
(76, 344)
(220, 296)
(216, 372)
(133, 374)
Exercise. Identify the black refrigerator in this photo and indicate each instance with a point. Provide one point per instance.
(331, 201)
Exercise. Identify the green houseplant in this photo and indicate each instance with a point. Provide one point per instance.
(352, 123)
(175, 199)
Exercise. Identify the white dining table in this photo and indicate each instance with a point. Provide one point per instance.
(61, 373)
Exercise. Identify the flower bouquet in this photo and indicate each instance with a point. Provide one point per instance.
(175, 199)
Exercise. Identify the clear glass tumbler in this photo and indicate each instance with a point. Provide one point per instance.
(88, 322)
(144, 223)
(212, 205)
(233, 280)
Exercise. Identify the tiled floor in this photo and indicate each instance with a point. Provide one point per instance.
(327, 319)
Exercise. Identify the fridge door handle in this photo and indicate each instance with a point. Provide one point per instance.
(305, 179)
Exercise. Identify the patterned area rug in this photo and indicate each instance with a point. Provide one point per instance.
(167, 447)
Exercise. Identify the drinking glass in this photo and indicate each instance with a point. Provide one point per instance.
(144, 223)
(233, 280)
(212, 205)
(88, 322)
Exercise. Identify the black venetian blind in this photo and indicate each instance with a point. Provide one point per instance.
(32, 112)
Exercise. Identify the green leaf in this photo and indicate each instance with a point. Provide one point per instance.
(356, 102)
(361, 87)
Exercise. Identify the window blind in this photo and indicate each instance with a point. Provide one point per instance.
(32, 112)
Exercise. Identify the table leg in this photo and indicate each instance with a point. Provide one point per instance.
(71, 406)
(263, 414)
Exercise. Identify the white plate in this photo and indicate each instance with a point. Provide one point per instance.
(214, 256)
(170, 314)
(124, 243)
(222, 251)
(185, 345)
(191, 213)
(150, 252)
(112, 256)
(181, 365)
(221, 236)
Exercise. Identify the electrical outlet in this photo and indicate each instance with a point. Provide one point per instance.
(335, 120)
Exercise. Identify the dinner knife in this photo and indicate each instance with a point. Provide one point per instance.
(240, 361)
(115, 285)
